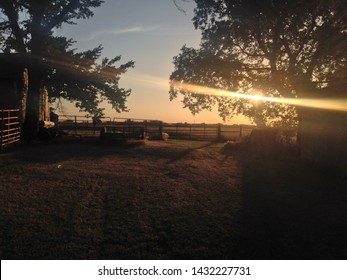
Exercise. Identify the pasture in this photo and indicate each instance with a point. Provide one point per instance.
(168, 200)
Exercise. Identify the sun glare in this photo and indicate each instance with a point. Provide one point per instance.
(323, 103)
(256, 97)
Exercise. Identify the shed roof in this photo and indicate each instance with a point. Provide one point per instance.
(13, 64)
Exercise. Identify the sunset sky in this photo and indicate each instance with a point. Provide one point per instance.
(151, 33)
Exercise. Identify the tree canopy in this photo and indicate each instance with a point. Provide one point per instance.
(28, 27)
(276, 48)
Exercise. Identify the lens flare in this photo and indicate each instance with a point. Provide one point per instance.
(337, 104)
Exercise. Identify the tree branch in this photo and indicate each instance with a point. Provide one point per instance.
(60, 17)
(12, 15)
(179, 7)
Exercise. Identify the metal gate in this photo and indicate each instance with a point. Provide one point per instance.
(9, 127)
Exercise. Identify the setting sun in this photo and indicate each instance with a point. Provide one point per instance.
(256, 97)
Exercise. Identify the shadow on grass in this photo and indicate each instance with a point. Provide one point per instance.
(71, 148)
(92, 149)
(290, 209)
(183, 153)
(136, 210)
(277, 207)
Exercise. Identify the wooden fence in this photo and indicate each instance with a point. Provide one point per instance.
(9, 127)
(84, 126)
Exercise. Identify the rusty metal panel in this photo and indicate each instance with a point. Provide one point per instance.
(9, 127)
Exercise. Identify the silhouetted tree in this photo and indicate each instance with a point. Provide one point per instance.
(294, 49)
(27, 27)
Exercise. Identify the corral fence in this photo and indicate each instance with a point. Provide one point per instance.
(9, 127)
(207, 131)
(84, 126)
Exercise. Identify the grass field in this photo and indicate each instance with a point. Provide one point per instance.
(168, 200)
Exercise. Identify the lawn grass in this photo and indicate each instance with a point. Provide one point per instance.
(167, 200)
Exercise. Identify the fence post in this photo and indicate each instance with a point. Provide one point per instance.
(190, 132)
(161, 129)
(145, 128)
(129, 121)
(75, 124)
(240, 131)
(219, 131)
(204, 130)
(8, 125)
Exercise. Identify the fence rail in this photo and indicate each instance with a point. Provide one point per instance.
(207, 131)
(84, 126)
(9, 127)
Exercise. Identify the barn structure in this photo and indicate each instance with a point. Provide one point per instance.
(21, 115)
(13, 95)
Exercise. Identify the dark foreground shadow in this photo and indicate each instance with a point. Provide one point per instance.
(92, 148)
(67, 148)
(290, 209)
(245, 203)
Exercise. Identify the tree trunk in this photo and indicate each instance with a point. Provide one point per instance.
(35, 77)
(30, 127)
(36, 68)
